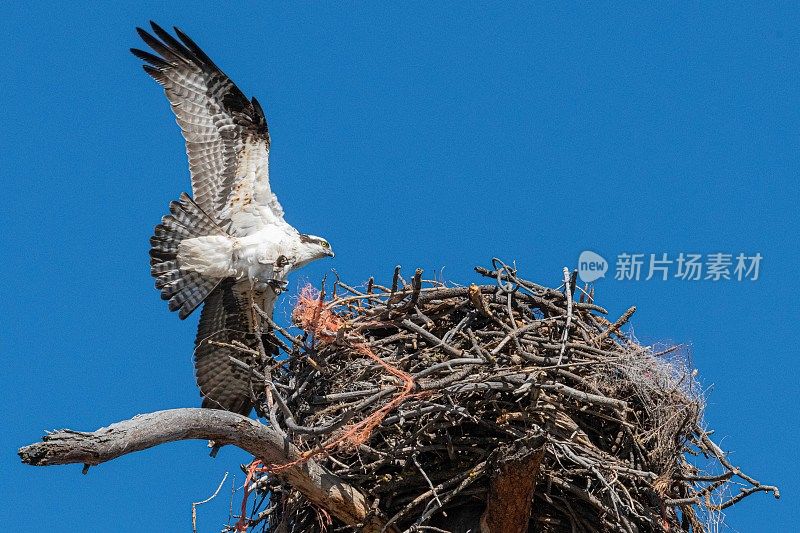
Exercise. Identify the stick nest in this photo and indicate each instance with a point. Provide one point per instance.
(426, 397)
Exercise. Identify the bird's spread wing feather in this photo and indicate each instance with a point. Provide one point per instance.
(227, 138)
(226, 317)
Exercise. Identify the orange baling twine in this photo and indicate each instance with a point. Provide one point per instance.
(252, 468)
(313, 316)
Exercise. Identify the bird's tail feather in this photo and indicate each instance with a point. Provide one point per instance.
(185, 289)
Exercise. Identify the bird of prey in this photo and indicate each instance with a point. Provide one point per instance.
(228, 245)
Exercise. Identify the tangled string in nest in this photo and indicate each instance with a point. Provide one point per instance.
(424, 396)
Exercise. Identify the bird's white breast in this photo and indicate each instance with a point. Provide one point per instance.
(252, 257)
(256, 255)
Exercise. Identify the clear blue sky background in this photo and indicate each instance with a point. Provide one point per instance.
(424, 136)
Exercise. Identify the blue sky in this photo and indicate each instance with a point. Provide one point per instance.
(433, 137)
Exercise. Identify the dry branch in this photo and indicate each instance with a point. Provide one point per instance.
(322, 488)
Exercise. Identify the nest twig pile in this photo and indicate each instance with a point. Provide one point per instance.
(439, 402)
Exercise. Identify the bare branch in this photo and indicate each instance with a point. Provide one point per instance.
(145, 431)
(195, 504)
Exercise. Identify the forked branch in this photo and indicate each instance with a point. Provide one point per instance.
(145, 431)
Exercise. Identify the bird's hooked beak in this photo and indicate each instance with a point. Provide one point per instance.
(329, 252)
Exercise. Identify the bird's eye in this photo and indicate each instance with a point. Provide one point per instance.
(325, 244)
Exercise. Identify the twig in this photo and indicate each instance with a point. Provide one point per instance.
(621, 321)
(565, 337)
(195, 504)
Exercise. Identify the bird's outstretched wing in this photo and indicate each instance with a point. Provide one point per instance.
(224, 383)
(227, 138)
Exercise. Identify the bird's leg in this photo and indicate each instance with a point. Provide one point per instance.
(280, 270)
(278, 285)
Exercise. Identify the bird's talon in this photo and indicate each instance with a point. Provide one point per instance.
(277, 285)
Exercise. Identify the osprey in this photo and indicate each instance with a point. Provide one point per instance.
(228, 245)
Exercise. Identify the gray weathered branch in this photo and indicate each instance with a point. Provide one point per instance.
(145, 431)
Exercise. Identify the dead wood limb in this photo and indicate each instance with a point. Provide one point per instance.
(614, 328)
(146, 431)
(510, 496)
(568, 290)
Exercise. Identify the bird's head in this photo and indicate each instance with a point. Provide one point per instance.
(314, 248)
